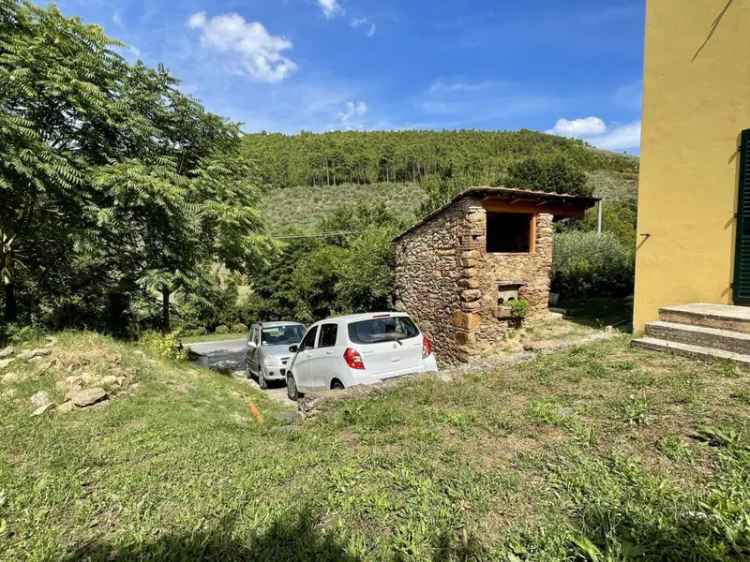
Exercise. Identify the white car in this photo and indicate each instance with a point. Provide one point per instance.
(359, 349)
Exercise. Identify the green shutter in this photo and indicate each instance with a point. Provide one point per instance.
(742, 249)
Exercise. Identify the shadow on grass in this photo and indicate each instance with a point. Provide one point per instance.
(296, 538)
(600, 312)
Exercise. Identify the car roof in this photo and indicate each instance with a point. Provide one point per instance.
(277, 324)
(360, 317)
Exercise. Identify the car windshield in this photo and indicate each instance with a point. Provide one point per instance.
(379, 330)
(283, 335)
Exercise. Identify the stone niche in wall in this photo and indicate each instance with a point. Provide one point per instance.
(507, 292)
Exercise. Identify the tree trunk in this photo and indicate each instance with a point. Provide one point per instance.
(165, 320)
(11, 308)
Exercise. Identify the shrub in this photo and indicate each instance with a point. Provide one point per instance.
(589, 264)
(519, 308)
(239, 328)
(222, 329)
(165, 345)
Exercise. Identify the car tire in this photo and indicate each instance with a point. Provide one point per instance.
(337, 385)
(291, 389)
(262, 382)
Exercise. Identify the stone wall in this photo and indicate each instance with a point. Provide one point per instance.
(427, 276)
(449, 284)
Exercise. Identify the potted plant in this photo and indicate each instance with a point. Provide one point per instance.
(519, 309)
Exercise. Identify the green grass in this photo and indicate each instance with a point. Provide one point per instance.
(598, 453)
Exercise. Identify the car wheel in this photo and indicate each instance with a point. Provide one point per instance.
(262, 382)
(337, 385)
(291, 388)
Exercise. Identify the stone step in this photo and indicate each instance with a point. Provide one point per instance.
(721, 316)
(728, 340)
(687, 350)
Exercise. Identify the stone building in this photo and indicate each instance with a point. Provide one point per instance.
(459, 267)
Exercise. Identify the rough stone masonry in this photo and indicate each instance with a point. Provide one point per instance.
(456, 288)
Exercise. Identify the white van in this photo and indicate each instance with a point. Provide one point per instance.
(359, 349)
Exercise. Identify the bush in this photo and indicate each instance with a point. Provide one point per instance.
(590, 264)
(519, 308)
(164, 345)
(17, 334)
(239, 328)
(222, 329)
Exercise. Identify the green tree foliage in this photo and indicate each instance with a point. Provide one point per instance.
(474, 157)
(554, 175)
(111, 178)
(588, 264)
(315, 277)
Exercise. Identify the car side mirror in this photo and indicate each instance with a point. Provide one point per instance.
(293, 348)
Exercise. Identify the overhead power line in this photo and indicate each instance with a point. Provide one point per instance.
(323, 235)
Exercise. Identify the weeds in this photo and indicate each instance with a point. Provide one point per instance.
(521, 464)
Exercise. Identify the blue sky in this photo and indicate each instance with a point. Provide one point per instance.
(571, 67)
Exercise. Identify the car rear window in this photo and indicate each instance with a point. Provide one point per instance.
(379, 330)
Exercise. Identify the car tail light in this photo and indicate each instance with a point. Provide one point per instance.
(353, 359)
(426, 347)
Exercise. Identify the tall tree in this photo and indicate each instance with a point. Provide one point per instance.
(137, 178)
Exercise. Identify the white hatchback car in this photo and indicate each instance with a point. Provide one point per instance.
(359, 349)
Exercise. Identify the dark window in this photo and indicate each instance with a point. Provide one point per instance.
(309, 341)
(509, 232)
(328, 335)
(283, 335)
(379, 330)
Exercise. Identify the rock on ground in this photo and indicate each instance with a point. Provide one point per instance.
(40, 399)
(88, 397)
(31, 354)
(66, 407)
(7, 352)
(42, 409)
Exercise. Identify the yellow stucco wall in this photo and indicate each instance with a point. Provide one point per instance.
(696, 101)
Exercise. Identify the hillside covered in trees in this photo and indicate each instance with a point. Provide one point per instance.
(351, 157)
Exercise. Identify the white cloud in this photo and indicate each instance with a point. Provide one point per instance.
(578, 128)
(353, 110)
(260, 53)
(366, 23)
(441, 86)
(596, 132)
(331, 8)
(620, 138)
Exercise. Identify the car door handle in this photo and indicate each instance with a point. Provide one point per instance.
(329, 352)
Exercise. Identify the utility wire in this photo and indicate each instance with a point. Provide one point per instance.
(323, 235)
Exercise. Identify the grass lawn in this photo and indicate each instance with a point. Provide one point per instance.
(598, 453)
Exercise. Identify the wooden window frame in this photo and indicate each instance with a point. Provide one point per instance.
(499, 207)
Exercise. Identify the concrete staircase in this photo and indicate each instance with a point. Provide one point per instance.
(701, 330)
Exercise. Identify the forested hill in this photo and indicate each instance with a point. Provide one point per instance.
(477, 157)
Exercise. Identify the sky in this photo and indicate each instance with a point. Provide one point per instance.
(571, 67)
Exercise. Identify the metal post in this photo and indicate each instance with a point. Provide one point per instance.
(599, 216)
